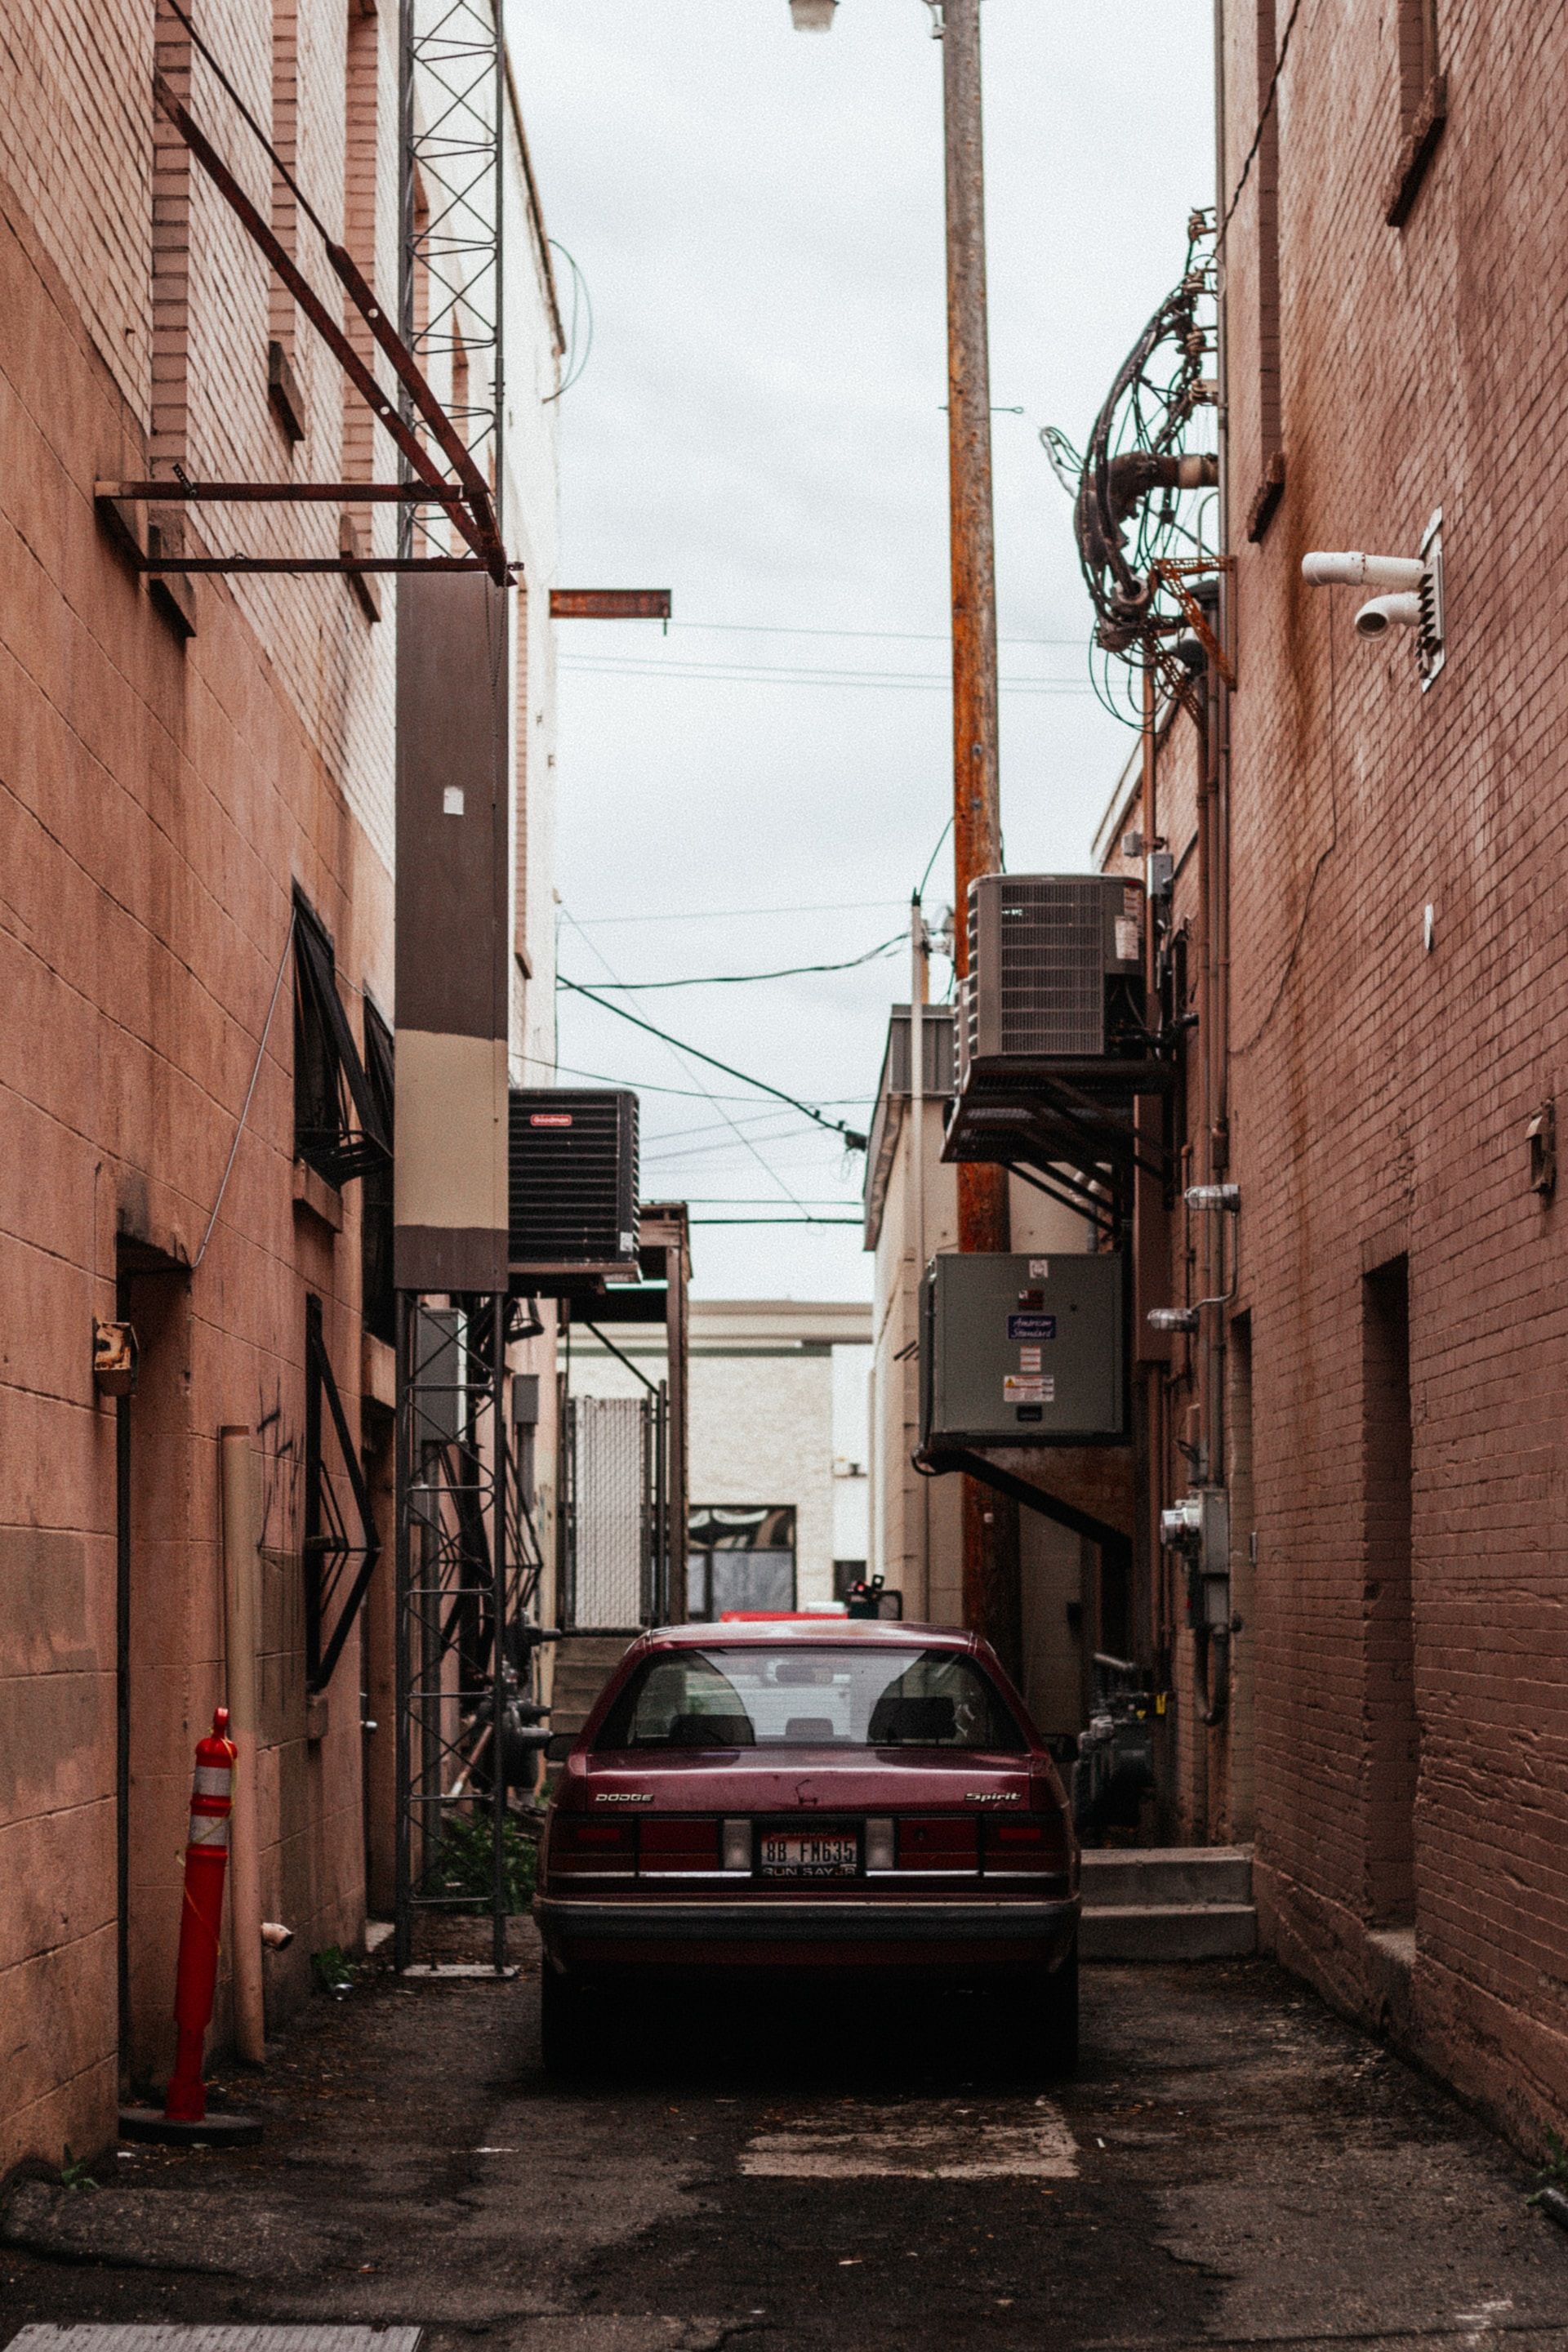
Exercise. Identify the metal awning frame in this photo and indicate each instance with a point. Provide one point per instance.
(466, 500)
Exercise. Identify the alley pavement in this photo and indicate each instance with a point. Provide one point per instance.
(1233, 2166)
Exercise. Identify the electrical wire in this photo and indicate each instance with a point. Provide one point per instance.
(738, 979)
(800, 673)
(856, 1141)
(684, 1058)
(686, 1094)
(931, 861)
(574, 366)
(726, 914)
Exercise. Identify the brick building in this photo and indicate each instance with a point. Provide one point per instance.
(196, 822)
(1376, 868)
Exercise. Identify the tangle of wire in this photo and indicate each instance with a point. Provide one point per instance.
(1159, 393)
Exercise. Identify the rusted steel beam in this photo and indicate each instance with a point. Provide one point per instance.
(175, 493)
(473, 528)
(352, 564)
(609, 604)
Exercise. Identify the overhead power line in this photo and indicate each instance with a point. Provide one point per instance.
(740, 979)
(802, 674)
(652, 1087)
(856, 1141)
(726, 914)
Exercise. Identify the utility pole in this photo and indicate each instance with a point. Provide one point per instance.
(991, 1600)
(919, 970)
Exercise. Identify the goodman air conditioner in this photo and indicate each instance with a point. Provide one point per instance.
(1055, 964)
(573, 1178)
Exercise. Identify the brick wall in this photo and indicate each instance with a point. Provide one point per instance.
(159, 796)
(1380, 1093)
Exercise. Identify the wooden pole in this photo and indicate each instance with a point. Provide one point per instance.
(991, 1601)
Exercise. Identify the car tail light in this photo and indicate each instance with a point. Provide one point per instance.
(737, 1844)
(933, 1843)
(880, 1843)
(1026, 1842)
(581, 1846)
(678, 1844)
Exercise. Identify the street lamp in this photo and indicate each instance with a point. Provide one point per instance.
(812, 16)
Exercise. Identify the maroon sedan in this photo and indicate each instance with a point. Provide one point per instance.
(816, 1796)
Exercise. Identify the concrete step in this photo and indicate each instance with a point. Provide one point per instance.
(583, 1665)
(1150, 1877)
(1168, 1903)
(1169, 1931)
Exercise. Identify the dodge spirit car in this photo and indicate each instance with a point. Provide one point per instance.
(811, 1797)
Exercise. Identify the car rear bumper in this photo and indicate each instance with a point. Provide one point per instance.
(973, 1935)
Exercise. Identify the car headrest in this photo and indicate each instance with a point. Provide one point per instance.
(698, 1730)
(923, 1722)
(810, 1726)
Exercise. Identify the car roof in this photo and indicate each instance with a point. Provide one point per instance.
(883, 1632)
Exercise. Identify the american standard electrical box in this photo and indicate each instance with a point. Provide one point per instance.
(1018, 1349)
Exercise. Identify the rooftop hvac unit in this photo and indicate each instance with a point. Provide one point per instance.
(573, 1177)
(1056, 965)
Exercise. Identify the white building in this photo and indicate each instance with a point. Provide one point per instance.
(778, 1478)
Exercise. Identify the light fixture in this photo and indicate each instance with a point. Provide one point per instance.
(812, 16)
(1172, 1319)
(1213, 1196)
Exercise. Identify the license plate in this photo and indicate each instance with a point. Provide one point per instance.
(819, 1856)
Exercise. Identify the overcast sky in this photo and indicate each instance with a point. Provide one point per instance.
(758, 216)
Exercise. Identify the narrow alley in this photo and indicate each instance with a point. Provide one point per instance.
(1233, 2166)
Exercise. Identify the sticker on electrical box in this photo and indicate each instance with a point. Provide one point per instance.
(1018, 1388)
(1028, 1360)
(1039, 1269)
(1031, 1327)
(1127, 942)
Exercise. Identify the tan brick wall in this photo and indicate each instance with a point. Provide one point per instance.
(156, 801)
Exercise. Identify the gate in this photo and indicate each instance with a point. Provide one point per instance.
(614, 1524)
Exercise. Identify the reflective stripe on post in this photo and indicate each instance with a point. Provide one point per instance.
(201, 1918)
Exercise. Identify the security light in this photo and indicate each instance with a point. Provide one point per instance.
(1172, 1319)
(812, 16)
(1213, 1196)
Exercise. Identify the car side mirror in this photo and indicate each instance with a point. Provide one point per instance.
(559, 1747)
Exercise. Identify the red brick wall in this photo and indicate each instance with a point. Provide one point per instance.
(1380, 1093)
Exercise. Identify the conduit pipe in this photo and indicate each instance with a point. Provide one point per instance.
(1355, 571)
(238, 1487)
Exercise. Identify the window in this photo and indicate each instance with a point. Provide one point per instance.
(282, 383)
(812, 1694)
(740, 1557)
(1423, 105)
(338, 1126)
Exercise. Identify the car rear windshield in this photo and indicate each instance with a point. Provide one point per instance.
(793, 1696)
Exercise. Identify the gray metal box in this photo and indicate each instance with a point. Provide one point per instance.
(1019, 1350)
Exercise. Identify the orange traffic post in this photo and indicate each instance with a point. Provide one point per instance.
(201, 1920)
(184, 2115)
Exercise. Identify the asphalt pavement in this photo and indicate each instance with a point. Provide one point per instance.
(1233, 2166)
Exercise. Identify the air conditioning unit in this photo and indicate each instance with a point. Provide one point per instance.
(574, 1178)
(1056, 966)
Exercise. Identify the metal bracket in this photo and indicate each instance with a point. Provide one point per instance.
(329, 1548)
